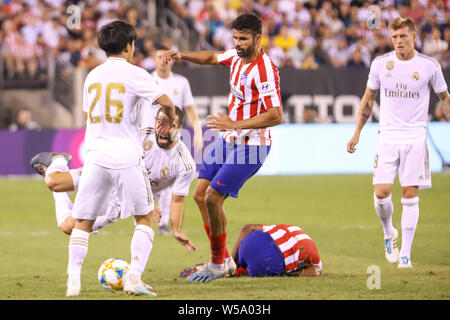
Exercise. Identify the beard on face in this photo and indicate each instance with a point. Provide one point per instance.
(243, 53)
(163, 141)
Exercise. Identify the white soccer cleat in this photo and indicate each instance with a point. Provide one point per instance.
(138, 288)
(73, 287)
(231, 266)
(208, 273)
(391, 249)
(404, 262)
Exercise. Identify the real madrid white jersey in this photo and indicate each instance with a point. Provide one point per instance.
(404, 95)
(173, 167)
(177, 89)
(254, 88)
(110, 98)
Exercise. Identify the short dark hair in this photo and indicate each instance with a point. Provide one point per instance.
(114, 37)
(178, 113)
(248, 22)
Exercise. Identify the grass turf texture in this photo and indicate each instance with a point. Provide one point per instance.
(336, 211)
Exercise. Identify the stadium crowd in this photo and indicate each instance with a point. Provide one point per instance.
(304, 34)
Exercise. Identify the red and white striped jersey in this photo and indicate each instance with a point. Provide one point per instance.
(254, 88)
(295, 245)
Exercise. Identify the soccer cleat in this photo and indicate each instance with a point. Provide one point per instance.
(73, 287)
(404, 262)
(208, 273)
(164, 230)
(390, 248)
(41, 161)
(231, 266)
(138, 288)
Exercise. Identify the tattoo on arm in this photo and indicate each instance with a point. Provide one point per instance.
(366, 111)
(444, 98)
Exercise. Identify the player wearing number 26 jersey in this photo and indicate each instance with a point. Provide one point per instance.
(114, 154)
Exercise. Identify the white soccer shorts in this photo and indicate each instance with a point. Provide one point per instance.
(97, 183)
(411, 161)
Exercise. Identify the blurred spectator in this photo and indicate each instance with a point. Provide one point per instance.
(223, 37)
(296, 55)
(110, 16)
(355, 60)
(434, 46)
(296, 30)
(284, 40)
(293, 30)
(309, 62)
(415, 11)
(24, 121)
(276, 53)
(340, 54)
(301, 14)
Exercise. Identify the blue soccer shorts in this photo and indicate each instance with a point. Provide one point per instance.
(260, 255)
(228, 166)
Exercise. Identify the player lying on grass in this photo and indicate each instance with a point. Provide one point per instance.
(168, 162)
(272, 251)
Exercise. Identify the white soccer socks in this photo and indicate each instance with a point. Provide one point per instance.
(385, 209)
(410, 217)
(63, 206)
(141, 247)
(78, 248)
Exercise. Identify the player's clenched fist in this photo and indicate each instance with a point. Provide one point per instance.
(352, 144)
(170, 55)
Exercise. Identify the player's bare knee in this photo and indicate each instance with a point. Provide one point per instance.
(199, 196)
(51, 181)
(410, 192)
(382, 193)
(212, 198)
(67, 226)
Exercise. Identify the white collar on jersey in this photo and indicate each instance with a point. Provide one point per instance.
(115, 58)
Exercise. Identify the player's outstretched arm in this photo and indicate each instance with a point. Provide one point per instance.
(167, 106)
(193, 119)
(444, 98)
(197, 57)
(365, 110)
(176, 219)
(223, 122)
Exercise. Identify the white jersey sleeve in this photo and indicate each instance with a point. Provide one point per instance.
(183, 182)
(186, 170)
(373, 81)
(437, 80)
(144, 85)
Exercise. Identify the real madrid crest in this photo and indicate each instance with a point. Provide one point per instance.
(165, 171)
(390, 65)
(416, 76)
(148, 145)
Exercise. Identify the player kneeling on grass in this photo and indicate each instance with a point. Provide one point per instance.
(167, 159)
(272, 251)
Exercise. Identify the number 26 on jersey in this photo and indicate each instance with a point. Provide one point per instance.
(109, 103)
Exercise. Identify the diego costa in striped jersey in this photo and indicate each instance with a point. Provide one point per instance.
(254, 105)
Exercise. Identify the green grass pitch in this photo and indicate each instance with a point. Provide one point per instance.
(335, 210)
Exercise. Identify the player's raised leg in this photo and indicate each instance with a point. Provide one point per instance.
(410, 217)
